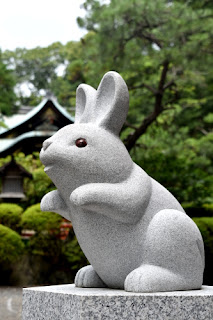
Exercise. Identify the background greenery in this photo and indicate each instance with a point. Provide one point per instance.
(163, 49)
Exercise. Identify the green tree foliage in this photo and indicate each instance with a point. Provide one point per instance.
(182, 164)
(36, 68)
(159, 49)
(164, 52)
(10, 215)
(11, 246)
(7, 95)
(74, 73)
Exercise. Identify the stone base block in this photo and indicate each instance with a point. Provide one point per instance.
(66, 302)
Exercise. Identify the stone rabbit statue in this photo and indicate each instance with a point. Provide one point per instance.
(134, 233)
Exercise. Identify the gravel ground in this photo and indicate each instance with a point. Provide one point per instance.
(10, 303)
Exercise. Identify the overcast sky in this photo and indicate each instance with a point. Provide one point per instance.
(25, 23)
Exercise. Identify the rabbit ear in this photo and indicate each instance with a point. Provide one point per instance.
(85, 99)
(112, 102)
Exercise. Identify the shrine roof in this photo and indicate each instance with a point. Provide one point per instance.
(26, 132)
(21, 119)
(9, 143)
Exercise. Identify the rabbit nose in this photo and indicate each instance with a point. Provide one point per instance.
(46, 144)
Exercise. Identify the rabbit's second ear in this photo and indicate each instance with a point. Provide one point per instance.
(85, 100)
(112, 102)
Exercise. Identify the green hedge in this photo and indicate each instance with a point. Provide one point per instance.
(209, 208)
(10, 215)
(73, 254)
(34, 218)
(205, 224)
(11, 246)
(47, 226)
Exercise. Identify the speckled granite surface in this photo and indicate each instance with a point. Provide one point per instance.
(66, 302)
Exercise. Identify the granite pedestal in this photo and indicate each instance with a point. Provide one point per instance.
(66, 302)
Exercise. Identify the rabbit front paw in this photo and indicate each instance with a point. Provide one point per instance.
(82, 196)
(47, 202)
(52, 201)
(86, 277)
(76, 197)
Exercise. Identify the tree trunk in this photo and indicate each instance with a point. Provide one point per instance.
(158, 109)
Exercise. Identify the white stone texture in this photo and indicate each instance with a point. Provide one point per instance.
(66, 302)
(132, 230)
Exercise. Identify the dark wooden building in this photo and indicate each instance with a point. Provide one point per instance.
(29, 132)
(12, 175)
(26, 134)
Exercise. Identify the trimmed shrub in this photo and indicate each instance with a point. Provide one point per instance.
(208, 207)
(35, 219)
(47, 226)
(10, 215)
(73, 254)
(11, 246)
(205, 225)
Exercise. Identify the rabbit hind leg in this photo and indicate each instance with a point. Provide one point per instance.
(173, 255)
(150, 278)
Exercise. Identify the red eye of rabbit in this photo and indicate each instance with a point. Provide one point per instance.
(81, 143)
